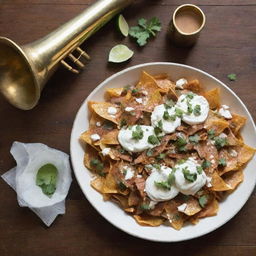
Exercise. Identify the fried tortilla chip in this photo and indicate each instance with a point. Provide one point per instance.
(218, 184)
(110, 185)
(245, 154)
(114, 92)
(101, 108)
(110, 138)
(121, 200)
(148, 83)
(213, 98)
(234, 178)
(237, 122)
(175, 218)
(194, 86)
(98, 184)
(210, 210)
(213, 122)
(146, 220)
(193, 207)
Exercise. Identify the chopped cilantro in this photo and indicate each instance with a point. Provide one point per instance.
(121, 150)
(144, 207)
(194, 139)
(220, 142)
(197, 110)
(191, 177)
(163, 185)
(121, 186)
(167, 116)
(138, 133)
(232, 77)
(150, 152)
(199, 169)
(145, 30)
(171, 177)
(123, 122)
(157, 166)
(46, 179)
(203, 200)
(160, 124)
(96, 164)
(181, 143)
(181, 161)
(222, 162)
(161, 156)
(152, 139)
(211, 134)
(206, 164)
(178, 112)
(190, 109)
(190, 95)
(135, 91)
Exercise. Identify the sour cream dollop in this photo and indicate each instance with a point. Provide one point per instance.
(195, 108)
(128, 142)
(167, 115)
(185, 186)
(158, 194)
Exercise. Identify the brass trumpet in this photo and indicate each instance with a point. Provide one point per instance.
(24, 70)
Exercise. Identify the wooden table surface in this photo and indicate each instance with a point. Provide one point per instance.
(227, 45)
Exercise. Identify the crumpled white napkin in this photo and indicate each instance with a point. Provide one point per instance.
(24, 154)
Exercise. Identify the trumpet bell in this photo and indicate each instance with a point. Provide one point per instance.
(17, 81)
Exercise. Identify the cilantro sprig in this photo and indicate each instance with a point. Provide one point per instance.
(145, 30)
(138, 133)
(46, 178)
(191, 177)
(232, 77)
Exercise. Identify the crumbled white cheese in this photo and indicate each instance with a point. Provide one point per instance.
(180, 83)
(208, 181)
(98, 124)
(182, 207)
(129, 109)
(233, 153)
(211, 156)
(144, 92)
(224, 111)
(223, 135)
(128, 172)
(139, 100)
(212, 161)
(106, 151)
(95, 137)
(225, 107)
(112, 110)
(139, 176)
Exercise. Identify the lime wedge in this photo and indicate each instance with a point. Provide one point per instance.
(120, 53)
(123, 25)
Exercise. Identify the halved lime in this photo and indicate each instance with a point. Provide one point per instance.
(120, 53)
(123, 25)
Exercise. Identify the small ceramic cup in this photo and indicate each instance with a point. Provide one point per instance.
(179, 36)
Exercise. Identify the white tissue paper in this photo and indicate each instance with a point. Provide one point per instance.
(22, 178)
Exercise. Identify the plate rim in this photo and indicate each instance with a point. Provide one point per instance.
(98, 87)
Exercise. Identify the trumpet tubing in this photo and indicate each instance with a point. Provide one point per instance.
(24, 70)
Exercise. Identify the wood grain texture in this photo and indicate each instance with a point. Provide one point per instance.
(227, 45)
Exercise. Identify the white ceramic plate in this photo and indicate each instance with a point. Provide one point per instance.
(117, 216)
